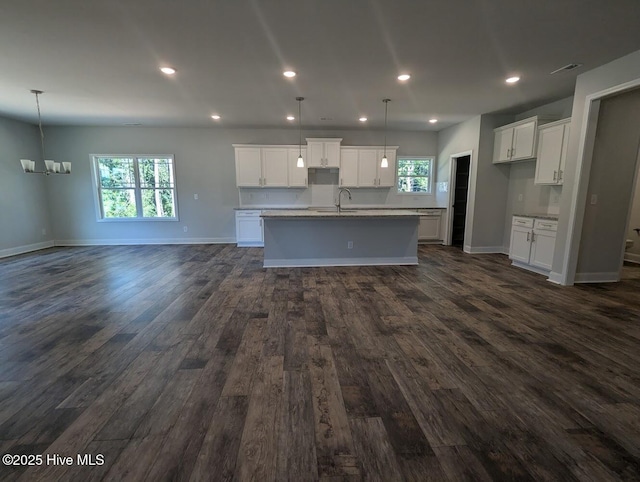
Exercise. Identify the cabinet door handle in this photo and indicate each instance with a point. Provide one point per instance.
(513, 151)
(265, 181)
(261, 223)
(555, 175)
(560, 175)
(533, 237)
(528, 235)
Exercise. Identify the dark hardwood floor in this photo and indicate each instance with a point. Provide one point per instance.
(195, 363)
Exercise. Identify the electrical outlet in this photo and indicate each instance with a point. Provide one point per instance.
(520, 197)
(185, 229)
(195, 196)
(594, 199)
(349, 244)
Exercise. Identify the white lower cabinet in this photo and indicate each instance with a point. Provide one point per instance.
(249, 229)
(533, 243)
(429, 227)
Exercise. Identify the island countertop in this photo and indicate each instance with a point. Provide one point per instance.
(345, 213)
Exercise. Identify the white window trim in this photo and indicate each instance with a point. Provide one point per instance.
(417, 158)
(95, 182)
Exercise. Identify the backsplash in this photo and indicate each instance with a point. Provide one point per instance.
(323, 190)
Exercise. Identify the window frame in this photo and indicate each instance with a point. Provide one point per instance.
(97, 188)
(431, 176)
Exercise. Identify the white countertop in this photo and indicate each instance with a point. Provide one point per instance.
(345, 213)
(551, 217)
(348, 206)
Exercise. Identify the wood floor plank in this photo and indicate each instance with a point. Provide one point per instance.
(297, 459)
(374, 450)
(219, 451)
(257, 456)
(194, 362)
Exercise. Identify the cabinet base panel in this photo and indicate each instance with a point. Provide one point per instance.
(528, 267)
(315, 262)
(250, 244)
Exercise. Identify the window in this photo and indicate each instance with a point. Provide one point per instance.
(415, 174)
(135, 187)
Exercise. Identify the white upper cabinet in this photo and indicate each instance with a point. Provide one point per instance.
(275, 167)
(258, 166)
(367, 168)
(297, 175)
(323, 153)
(248, 167)
(360, 167)
(517, 141)
(553, 142)
(348, 167)
(387, 175)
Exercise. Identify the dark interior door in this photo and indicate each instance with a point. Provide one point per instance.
(460, 200)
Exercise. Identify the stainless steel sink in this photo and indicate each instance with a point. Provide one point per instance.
(325, 210)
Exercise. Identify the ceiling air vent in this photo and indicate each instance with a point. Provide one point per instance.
(566, 67)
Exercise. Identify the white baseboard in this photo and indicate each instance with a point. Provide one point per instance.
(314, 262)
(4, 253)
(485, 250)
(611, 277)
(528, 267)
(632, 258)
(127, 242)
(555, 278)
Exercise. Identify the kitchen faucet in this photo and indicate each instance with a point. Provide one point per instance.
(339, 193)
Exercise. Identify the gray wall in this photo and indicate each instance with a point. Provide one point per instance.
(24, 210)
(613, 170)
(634, 221)
(488, 183)
(618, 72)
(491, 192)
(454, 140)
(205, 166)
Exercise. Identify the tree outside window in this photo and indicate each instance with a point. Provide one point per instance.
(131, 187)
(415, 174)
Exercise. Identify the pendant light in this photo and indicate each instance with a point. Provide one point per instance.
(51, 167)
(300, 159)
(384, 162)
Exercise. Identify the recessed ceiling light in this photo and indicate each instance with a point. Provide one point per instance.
(289, 73)
(363, 119)
(433, 121)
(512, 80)
(290, 117)
(404, 77)
(215, 117)
(168, 70)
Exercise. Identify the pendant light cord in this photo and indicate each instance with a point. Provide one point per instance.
(386, 104)
(300, 126)
(40, 125)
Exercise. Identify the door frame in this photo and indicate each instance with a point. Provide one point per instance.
(453, 165)
(578, 202)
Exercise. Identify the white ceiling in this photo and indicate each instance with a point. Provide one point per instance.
(97, 61)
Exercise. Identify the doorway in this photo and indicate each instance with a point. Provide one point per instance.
(460, 189)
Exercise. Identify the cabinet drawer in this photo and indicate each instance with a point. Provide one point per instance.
(522, 222)
(545, 225)
(250, 213)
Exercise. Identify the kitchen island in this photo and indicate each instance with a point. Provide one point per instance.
(354, 237)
